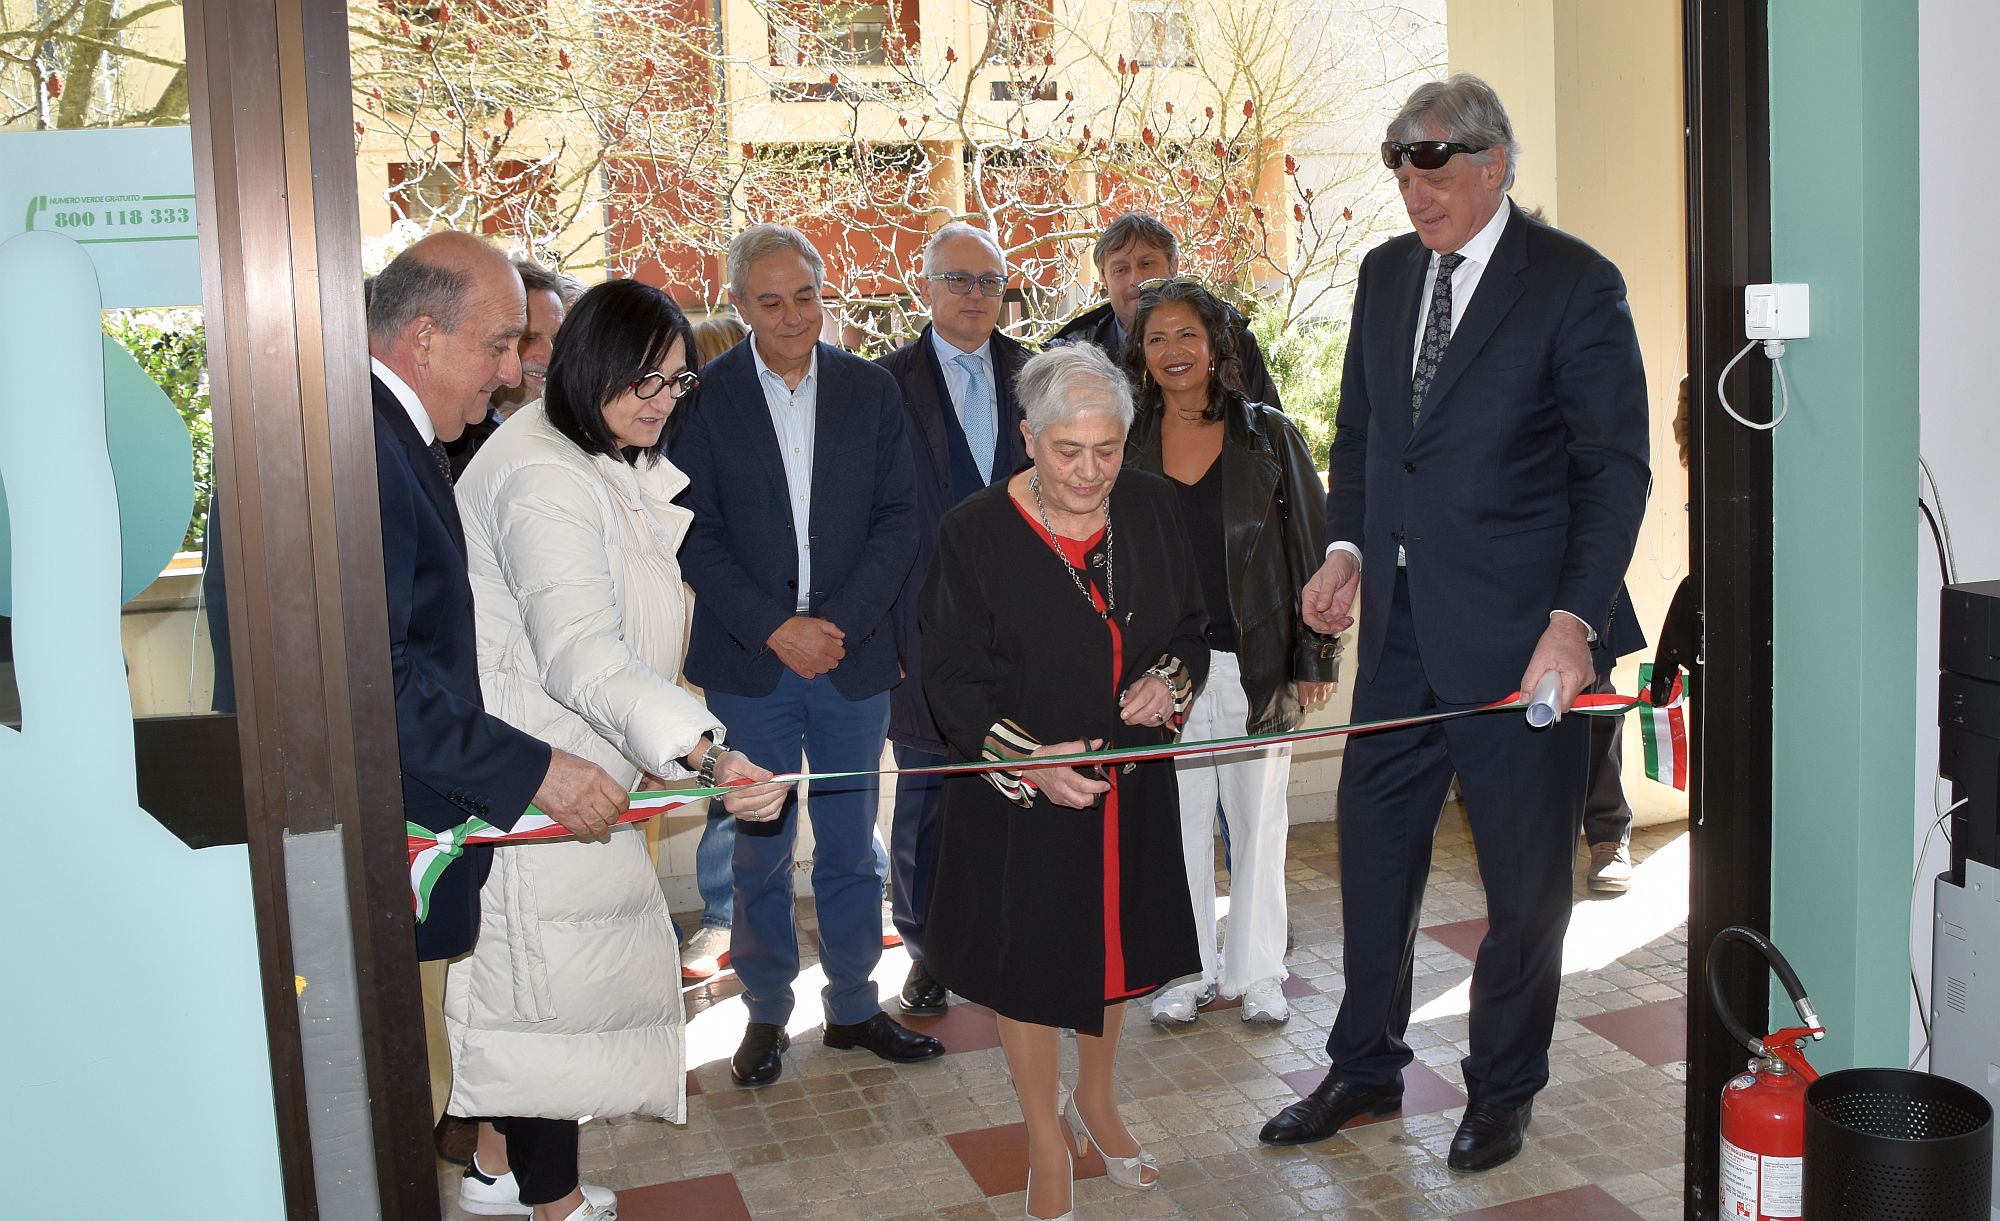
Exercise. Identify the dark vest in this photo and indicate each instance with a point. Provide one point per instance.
(965, 478)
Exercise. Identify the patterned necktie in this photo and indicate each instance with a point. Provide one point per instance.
(1437, 334)
(976, 414)
(442, 459)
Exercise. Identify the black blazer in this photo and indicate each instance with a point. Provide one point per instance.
(457, 760)
(740, 555)
(1273, 524)
(927, 401)
(1521, 489)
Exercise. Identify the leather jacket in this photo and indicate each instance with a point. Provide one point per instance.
(1274, 526)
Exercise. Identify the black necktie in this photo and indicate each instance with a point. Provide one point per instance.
(439, 456)
(1437, 334)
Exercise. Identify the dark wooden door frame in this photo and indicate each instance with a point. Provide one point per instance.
(272, 111)
(1729, 246)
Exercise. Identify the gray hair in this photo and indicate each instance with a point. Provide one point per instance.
(959, 228)
(760, 240)
(1464, 110)
(1142, 227)
(412, 287)
(536, 278)
(1063, 383)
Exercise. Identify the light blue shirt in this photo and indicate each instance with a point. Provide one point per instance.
(955, 376)
(794, 417)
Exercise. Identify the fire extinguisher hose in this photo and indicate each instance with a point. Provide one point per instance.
(1786, 976)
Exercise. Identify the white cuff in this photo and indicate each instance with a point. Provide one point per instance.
(1349, 548)
(1590, 633)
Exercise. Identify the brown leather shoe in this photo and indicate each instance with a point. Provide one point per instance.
(455, 1139)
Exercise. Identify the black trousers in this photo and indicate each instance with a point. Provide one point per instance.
(1607, 816)
(913, 836)
(1523, 792)
(542, 1155)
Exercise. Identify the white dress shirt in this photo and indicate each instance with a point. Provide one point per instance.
(408, 398)
(794, 417)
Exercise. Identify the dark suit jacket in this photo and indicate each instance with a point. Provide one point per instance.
(457, 761)
(740, 554)
(1099, 326)
(927, 400)
(1522, 487)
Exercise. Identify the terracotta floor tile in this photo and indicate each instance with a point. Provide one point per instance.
(714, 1197)
(1656, 1033)
(997, 1158)
(1424, 1092)
(1462, 937)
(1577, 1204)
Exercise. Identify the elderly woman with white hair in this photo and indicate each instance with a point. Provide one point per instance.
(1063, 613)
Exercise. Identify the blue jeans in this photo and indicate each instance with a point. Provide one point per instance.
(715, 877)
(800, 719)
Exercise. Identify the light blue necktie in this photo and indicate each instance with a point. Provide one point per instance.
(977, 414)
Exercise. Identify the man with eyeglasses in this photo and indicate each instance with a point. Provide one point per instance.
(804, 529)
(957, 380)
(1134, 253)
(1490, 462)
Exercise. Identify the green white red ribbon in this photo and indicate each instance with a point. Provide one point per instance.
(1664, 731)
(432, 852)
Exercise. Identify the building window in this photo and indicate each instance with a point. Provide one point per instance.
(1160, 36)
(837, 33)
(1023, 31)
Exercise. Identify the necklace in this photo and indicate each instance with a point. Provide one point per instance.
(1076, 578)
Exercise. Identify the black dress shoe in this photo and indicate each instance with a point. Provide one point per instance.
(886, 1037)
(922, 995)
(1327, 1109)
(760, 1057)
(1488, 1135)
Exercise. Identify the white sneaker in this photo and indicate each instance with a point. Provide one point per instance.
(1264, 1001)
(501, 1197)
(704, 953)
(1176, 1006)
(890, 935)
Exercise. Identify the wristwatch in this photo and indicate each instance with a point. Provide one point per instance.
(706, 771)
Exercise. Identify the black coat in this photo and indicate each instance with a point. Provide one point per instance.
(1017, 916)
(927, 401)
(1100, 326)
(1274, 533)
(457, 761)
(1521, 488)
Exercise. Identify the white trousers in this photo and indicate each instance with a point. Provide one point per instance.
(1251, 787)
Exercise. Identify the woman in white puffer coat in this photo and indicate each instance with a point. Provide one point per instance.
(569, 1005)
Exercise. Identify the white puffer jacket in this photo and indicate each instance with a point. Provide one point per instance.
(570, 1004)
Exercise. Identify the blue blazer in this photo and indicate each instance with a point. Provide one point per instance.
(457, 760)
(1521, 488)
(741, 553)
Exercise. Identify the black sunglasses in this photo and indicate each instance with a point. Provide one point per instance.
(686, 382)
(1423, 154)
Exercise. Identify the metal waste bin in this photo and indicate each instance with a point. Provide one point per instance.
(1890, 1144)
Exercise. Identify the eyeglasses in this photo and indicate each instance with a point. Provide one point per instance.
(959, 283)
(686, 382)
(1423, 154)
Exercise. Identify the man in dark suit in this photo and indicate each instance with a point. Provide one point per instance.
(804, 529)
(1490, 463)
(1135, 250)
(957, 380)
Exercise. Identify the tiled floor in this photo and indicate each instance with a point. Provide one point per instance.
(844, 1136)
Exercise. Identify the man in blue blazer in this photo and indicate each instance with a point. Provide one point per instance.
(443, 319)
(1490, 464)
(957, 380)
(804, 530)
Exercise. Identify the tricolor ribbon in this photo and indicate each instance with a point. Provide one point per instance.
(432, 852)
(1664, 730)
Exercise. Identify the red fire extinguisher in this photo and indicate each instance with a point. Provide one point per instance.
(1764, 1107)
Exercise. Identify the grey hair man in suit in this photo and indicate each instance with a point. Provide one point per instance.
(1490, 464)
(957, 379)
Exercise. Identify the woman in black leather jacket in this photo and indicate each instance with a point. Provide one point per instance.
(1255, 511)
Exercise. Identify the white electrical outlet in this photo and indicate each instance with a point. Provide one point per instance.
(1777, 311)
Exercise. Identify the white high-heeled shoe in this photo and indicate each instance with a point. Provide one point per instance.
(1124, 1171)
(1068, 1214)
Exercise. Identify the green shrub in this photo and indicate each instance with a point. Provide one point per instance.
(171, 346)
(1305, 361)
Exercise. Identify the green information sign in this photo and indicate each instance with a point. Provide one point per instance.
(126, 195)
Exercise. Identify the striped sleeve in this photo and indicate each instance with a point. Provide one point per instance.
(1173, 671)
(1006, 741)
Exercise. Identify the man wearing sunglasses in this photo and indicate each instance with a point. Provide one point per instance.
(1134, 253)
(965, 433)
(1490, 465)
